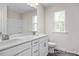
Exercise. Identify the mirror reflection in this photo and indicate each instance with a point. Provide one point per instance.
(17, 19)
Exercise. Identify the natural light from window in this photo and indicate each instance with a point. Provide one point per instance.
(35, 23)
(59, 18)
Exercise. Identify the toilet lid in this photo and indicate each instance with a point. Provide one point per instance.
(51, 44)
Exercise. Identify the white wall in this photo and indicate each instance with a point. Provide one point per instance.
(27, 21)
(68, 41)
(40, 16)
(14, 22)
(0, 19)
(3, 19)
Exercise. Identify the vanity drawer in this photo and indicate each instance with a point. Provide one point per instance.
(43, 38)
(14, 50)
(35, 42)
(35, 50)
(36, 53)
(26, 52)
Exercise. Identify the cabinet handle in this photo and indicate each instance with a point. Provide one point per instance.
(44, 44)
(35, 51)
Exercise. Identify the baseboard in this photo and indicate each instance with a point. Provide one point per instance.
(68, 51)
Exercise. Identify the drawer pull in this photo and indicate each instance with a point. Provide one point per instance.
(35, 42)
(44, 44)
(35, 51)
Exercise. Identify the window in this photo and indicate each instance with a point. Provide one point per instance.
(35, 23)
(59, 18)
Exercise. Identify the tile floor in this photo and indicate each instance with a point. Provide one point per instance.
(61, 53)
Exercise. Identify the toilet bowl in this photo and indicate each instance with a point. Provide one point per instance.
(51, 47)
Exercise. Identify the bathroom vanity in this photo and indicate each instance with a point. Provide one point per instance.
(25, 46)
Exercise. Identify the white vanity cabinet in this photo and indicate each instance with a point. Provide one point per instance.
(13, 51)
(26, 52)
(43, 46)
(40, 46)
(34, 47)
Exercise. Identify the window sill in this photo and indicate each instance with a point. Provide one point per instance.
(60, 32)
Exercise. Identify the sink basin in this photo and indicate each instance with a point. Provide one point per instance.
(7, 42)
(22, 37)
(17, 39)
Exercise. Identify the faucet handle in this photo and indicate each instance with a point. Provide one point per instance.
(0, 33)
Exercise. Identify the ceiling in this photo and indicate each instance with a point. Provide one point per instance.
(57, 4)
(19, 7)
(51, 4)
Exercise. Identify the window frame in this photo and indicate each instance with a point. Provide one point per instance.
(64, 21)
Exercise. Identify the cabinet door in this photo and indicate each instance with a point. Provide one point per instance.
(25, 53)
(44, 48)
(35, 50)
(14, 50)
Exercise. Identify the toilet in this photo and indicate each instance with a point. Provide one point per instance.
(51, 47)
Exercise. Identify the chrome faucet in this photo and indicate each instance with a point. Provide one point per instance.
(5, 37)
(0, 35)
(35, 32)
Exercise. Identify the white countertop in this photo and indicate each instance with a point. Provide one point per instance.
(18, 40)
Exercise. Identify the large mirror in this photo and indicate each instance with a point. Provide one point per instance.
(17, 18)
